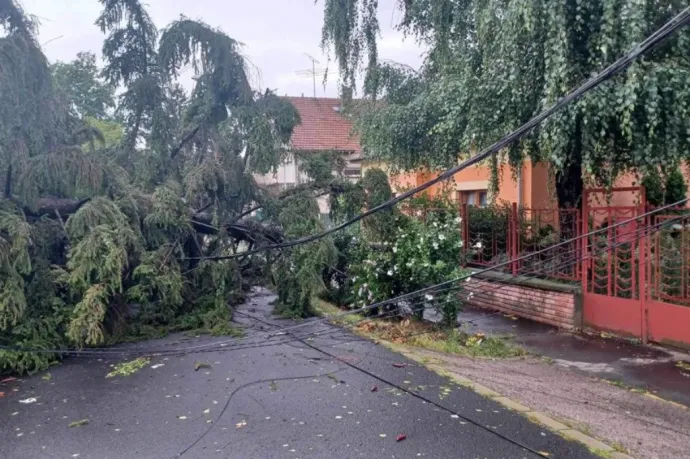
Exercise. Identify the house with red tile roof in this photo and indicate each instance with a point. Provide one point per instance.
(323, 127)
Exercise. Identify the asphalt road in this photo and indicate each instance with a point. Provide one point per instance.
(280, 401)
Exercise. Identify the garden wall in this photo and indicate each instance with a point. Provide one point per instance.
(543, 301)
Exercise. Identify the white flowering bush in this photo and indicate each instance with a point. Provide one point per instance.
(420, 255)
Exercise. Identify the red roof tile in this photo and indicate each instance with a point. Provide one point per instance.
(322, 127)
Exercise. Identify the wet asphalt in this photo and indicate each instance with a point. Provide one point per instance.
(603, 356)
(273, 398)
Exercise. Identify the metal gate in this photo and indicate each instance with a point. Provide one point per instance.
(636, 276)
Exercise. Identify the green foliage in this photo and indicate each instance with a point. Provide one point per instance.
(297, 272)
(380, 226)
(492, 66)
(422, 253)
(112, 131)
(80, 82)
(676, 188)
(106, 219)
(123, 369)
(654, 187)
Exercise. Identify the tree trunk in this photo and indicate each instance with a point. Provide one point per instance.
(569, 184)
(132, 140)
(8, 182)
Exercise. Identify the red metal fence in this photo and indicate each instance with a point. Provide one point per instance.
(635, 276)
(508, 233)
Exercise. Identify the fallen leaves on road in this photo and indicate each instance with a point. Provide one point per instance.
(399, 365)
(6, 380)
(2, 394)
(199, 365)
(683, 365)
(374, 389)
(47, 377)
(400, 437)
(128, 368)
(82, 422)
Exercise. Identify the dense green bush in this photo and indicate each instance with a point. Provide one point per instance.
(422, 254)
(676, 189)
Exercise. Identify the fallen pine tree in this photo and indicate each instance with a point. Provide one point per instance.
(104, 240)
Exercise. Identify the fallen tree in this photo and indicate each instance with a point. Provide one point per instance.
(106, 240)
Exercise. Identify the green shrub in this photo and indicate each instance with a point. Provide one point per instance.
(422, 254)
(676, 188)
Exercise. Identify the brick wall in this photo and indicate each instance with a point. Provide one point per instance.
(541, 301)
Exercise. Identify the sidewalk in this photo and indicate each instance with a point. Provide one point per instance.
(634, 398)
(648, 368)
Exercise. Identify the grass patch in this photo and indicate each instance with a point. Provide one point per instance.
(128, 368)
(422, 334)
(428, 336)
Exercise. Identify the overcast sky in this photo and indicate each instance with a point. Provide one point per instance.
(276, 35)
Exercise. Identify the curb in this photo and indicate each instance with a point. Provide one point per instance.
(596, 446)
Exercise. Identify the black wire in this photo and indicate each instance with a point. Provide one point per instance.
(427, 400)
(670, 27)
(244, 386)
(653, 40)
(414, 394)
(445, 286)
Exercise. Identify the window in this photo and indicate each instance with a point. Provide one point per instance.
(482, 198)
(473, 197)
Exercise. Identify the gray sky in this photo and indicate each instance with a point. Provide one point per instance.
(276, 34)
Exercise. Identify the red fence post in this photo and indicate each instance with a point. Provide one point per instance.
(584, 264)
(513, 239)
(642, 267)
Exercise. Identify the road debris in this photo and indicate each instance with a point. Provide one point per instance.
(29, 400)
(400, 437)
(128, 368)
(399, 365)
(374, 388)
(82, 422)
(199, 365)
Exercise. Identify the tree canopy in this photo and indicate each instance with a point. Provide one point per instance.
(109, 226)
(80, 82)
(491, 66)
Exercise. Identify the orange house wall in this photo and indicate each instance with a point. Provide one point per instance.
(535, 180)
(537, 189)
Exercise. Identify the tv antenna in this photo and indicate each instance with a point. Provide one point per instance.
(313, 70)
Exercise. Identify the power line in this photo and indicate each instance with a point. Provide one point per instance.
(440, 287)
(418, 396)
(657, 37)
